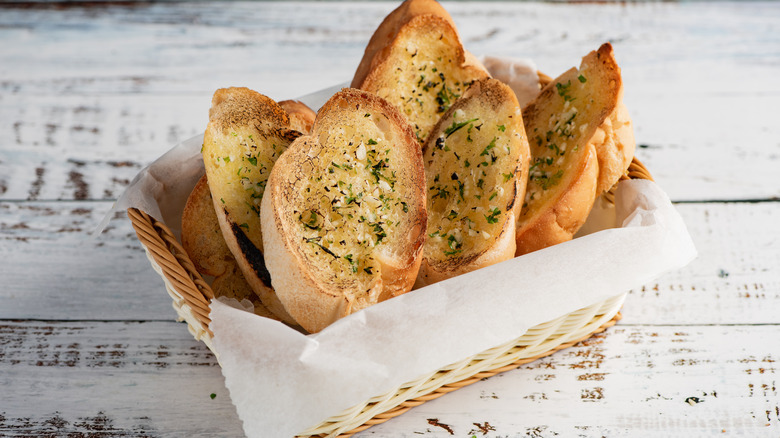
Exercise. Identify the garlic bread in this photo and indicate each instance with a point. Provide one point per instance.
(246, 134)
(476, 164)
(344, 214)
(202, 240)
(201, 236)
(581, 143)
(417, 63)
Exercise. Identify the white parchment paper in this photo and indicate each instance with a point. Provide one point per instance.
(283, 382)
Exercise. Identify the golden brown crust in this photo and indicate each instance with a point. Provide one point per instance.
(247, 131)
(309, 266)
(580, 115)
(421, 70)
(387, 30)
(240, 106)
(200, 233)
(202, 240)
(567, 214)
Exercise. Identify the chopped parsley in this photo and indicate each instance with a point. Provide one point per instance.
(488, 147)
(492, 218)
(455, 126)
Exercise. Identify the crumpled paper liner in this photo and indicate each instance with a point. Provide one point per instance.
(283, 382)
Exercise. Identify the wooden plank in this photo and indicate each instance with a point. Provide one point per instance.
(733, 281)
(141, 379)
(630, 381)
(110, 379)
(53, 269)
(146, 80)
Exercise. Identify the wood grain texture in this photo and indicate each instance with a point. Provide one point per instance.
(665, 381)
(54, 269)
(629, 381)
(92, 92)
(131, 80)
(110, 379)
(734, 280)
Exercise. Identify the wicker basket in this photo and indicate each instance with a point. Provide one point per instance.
(191, 296)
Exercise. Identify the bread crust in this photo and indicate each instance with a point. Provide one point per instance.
(419, 89)
(386, 32)
(202, 240)
(246, 125)
(566, 214)
(310, 290)
(201, 235)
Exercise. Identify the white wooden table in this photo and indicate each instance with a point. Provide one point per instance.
(92, 92)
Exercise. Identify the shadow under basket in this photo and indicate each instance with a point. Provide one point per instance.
(191, 296)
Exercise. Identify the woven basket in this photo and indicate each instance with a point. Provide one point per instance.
(191, 296)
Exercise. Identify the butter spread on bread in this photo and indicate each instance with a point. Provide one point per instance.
(581, 143)
(476, 164)
(246, 134)
(344, 214)
(418, 64)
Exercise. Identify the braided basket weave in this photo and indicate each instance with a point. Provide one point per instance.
(191, 296)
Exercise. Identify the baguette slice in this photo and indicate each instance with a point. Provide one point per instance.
(203, 242)
(416, 61)
(384, 34)
(246, 134)
(476, 165)
(344, 216)
(201, 235)
(581, 143)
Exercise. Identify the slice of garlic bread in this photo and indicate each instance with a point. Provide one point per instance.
(581, 143)
(384, 34)
(344, 214)
(476, 165)
(202, 240)
(201, 236)
(246, 134)
(419, 66)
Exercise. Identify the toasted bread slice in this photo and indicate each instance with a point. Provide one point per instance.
(201, 236)
(418, 64)
(476, 165)
(246, 134)
(344, 214)
(203, 242)
(581, 143)
(301, 116)
(384, 34)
